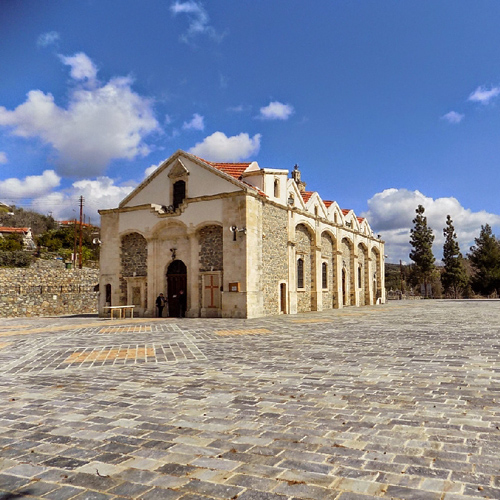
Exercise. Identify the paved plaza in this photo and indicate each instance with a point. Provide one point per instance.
(399, 401)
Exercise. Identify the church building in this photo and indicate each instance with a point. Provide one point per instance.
(239, 241)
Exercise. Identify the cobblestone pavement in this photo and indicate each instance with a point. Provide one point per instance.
(399, 401)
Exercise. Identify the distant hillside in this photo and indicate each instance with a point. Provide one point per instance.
(18, 217)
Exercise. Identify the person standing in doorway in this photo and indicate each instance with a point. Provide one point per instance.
(160, 304)
(182, 304)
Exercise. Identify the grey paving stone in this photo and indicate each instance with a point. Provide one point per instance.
(176, 469)
(259, 495)
(402, 493)
(127, 489)
(11, 483)
(213, 490)
(36, 489)
(161, 494)
(62, 493)
(91, 481)
(402, 396)
(92, 495)
(64, 462)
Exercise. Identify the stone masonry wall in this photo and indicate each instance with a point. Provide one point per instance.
(274, 256)
(211, 253)
(134, 260)
(47, 289)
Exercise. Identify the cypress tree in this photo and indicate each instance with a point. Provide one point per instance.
(421, 240)
(485, 259)
(454, 276)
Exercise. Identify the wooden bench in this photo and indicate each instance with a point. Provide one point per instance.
(122, 310)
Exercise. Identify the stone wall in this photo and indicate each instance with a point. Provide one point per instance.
(211, 249)
(211, 255)
(47, 289)
(274, 256)
(134, 260)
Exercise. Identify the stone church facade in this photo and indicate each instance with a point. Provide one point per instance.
(239, 240)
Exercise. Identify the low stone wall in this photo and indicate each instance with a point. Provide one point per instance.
(47, 289)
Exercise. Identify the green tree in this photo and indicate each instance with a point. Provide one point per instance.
(485, 259)
(454, 277)
(11, 243)
(421, 240)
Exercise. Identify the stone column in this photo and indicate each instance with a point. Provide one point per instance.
(317, 293)
(337, 259)
(193, 306)
(152, 282)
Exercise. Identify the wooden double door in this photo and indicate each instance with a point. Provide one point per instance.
(177, 289)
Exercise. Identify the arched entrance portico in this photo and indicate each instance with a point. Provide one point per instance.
(176, 282)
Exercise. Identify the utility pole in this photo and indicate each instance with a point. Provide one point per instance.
(81, 231)
(74, 243)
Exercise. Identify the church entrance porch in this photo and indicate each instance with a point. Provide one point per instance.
(176, 283)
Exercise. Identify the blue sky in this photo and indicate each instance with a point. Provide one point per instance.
(383, 104)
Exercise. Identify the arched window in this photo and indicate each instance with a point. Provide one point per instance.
(179, 193)
(300, 273)
(360, 270)
(108, 294)
(276, 188)
(324, 274)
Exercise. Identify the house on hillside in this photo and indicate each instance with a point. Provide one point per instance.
(25, 232)
(239, 240)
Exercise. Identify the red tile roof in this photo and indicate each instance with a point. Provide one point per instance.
(72, 222)
(14, 229)
(345, 211)
(327, 203)
(306, 195)
(360, 219)
(235, 170)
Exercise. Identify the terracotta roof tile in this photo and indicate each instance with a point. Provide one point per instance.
(14, 229)
(360, 219)
(327, 203)
(235, 170)
(306, 195)
(345, 211)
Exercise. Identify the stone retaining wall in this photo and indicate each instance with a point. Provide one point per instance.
(274, 256)
(47, 289)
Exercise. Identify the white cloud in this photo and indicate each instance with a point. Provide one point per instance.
(483, 95)
(31, 186)
(150, 170)
(198, 20)
(453, 117)
(3, 157)
(276, 110)
(196, 123)
(82, 66)
(391, 212)
(98, 125)
(238, 109)
(219, 147)
(49, 38)
(99, 193)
